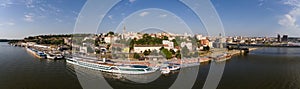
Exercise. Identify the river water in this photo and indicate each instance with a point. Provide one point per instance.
(265, 68)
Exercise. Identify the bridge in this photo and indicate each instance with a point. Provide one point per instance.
(246, 47)
(262, 45)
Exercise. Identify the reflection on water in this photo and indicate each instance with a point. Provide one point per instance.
(278, 52)
(19, 70)
(268, 68)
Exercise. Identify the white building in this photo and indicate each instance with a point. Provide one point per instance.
(68, 41)
(83, 49)
(130, 35)
(168, 44)
(42, 46)
(31, 43)
(188, 45)
(211, 45)
(200, 37)
(110, 39)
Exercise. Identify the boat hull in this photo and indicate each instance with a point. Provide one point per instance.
(35, 53)
(105, 68)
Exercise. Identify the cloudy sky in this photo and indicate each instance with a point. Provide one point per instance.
(21, 18)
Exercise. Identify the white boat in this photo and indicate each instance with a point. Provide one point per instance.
(110, 66)
(36, 53)
(165, 70)
(169, 67)
(54, 56)
(222, 57)
(174, 67)
(132, 69)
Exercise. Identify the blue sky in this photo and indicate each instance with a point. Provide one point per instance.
(22, 18)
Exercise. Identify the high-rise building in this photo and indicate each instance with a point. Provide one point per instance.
(284, 38)
(278, 38)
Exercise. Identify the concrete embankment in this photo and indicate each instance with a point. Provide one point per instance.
(236, 52)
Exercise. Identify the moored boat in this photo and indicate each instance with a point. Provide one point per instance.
(222, 57)
(110, 66)
(167, 68)
(36, 53)
(54, 56)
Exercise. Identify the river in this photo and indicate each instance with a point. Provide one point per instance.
(265, 68)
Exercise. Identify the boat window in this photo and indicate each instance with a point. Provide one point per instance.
(139, 66)
(148, 69)
(124, 69)
(114, 68)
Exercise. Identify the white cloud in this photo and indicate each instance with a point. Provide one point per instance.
(75, 13)
(10, 23)
(58, 20)
(110, 17)
(163, 15)
(290, 20)
(293, 3)
(131, 1)
(7, 24)
(42, 9)
(5, 3)
(29, 3)
(261, 2)
(29, 17)
(144, 14)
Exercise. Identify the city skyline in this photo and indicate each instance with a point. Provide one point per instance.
(24, 18)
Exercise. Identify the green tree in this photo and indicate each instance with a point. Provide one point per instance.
(131, 44)
(97, 51)
(185, 51)
(161, 48)
(172, 51)
(147, 52)
(111, 33)
(178, 54)
(206, 48)
(165, 38)
(166, 53)
(175, 42)
(108, 46)
(136, 56)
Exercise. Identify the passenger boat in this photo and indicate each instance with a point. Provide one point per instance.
(167, 68)
(36, 53)
(222, 57)
(54, 56)
(110, 66)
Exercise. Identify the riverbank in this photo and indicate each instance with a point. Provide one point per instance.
(237, 52)
(221, 52)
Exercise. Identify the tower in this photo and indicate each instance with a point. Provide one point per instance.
(124, 31)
